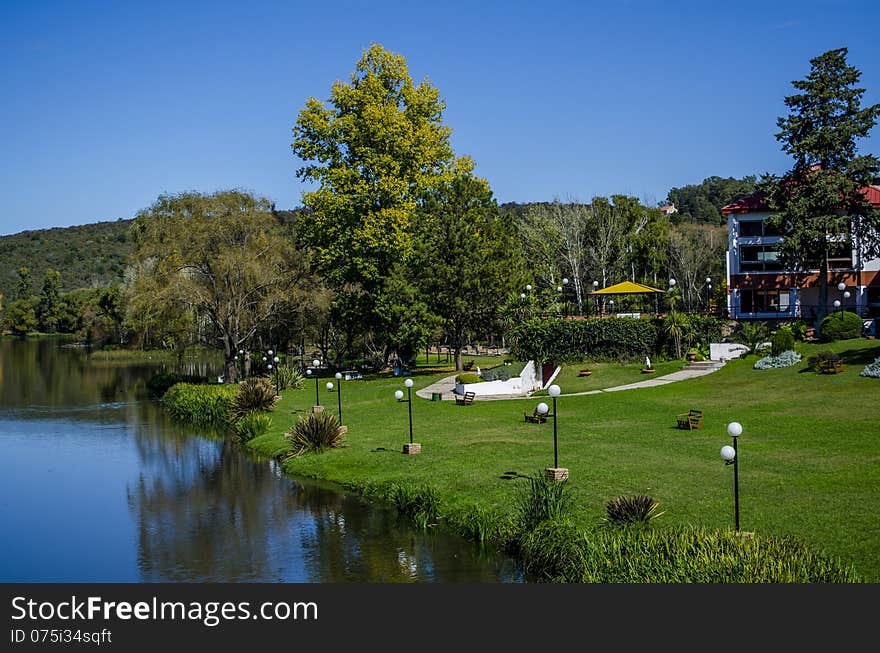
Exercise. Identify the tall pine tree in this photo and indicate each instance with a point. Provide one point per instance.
(819, 204)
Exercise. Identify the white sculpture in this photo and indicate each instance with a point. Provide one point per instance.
(479, 373)
(647, 363)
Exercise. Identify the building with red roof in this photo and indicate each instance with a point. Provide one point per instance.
(760, 288)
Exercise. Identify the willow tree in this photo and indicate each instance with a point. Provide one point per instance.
(223, 259)
(373, 150)
(819, 204)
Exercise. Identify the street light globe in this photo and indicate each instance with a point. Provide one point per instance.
(542, 408)
(408, 383)
(308, 370)
(672, 282)
(841, 286)
(241, 351)
(564, 281)
(734, 429)
(329, 386)
(528, 287)
(554, 391)
(728, 452)
(558, 288)
(708, 279)
(398, 394)
(522, 295)
(846, 295)
(270, 352)
(270, 366)
(264, 359)
(836, 303)
(595, 284)
(338, 375)
(316, 362)
(276, 359)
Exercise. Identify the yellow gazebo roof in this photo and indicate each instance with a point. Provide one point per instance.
(627, 288)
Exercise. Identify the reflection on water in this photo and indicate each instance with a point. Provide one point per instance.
(96, 484)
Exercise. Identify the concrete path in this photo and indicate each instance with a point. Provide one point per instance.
(446, 385)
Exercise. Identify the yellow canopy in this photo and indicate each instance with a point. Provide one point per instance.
(627, 288)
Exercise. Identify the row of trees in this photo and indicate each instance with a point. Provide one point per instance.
(400, 242)
(90, 313)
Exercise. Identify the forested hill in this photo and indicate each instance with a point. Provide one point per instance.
(86, 255)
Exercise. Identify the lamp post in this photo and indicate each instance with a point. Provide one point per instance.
(317, 408)
(672, 283)
(708, 292)
(277, 360)
(731, 457)
(555, 473)
(595, 286)
(338, 376)
(413, 447)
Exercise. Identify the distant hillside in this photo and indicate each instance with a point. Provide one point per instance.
(86, 255)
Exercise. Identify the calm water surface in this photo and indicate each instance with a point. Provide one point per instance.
(97, 485)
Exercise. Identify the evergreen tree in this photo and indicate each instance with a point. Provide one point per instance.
(819, 202)
(49, 303)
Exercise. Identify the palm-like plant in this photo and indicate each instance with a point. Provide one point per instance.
(676, 326)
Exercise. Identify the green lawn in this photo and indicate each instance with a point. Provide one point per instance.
(809, 455)
(608, 375)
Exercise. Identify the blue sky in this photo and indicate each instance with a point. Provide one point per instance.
(106, 105)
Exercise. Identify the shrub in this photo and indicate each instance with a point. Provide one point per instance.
(252, 425)
(558, 551)
(639, 509)
(752, 334)
(782, 340)
(785, 359)
(288, 378)
(872, 369)
(825, 362)
(841, 325)
(468, 377)
(539, 500)
(315, 433)
(158, 384)
(799, 330)
(200, 404)
(254, 394)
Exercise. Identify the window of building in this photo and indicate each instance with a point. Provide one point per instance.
(764, 301)
(757, 228)
(759, 258)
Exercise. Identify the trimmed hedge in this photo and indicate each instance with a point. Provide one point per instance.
(560, 340)
(200, 404)
(609, 339)
(841, 325)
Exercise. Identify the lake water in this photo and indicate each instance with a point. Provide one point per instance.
(98, 485)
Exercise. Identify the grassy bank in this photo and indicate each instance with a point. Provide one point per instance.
(808, 454)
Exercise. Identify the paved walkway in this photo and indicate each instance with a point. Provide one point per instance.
(446, 385)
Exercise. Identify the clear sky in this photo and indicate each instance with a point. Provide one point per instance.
(106, 105)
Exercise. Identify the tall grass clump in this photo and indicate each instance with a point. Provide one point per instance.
(418, 503)
(782, 340)
(556, 551)
(200, 404)
(254, 394)
(540, 499)
(288, 378)
(483, 525)
(252, 425)
(638, 509)
(315, 432)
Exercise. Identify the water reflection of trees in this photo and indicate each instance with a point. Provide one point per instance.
(205, 511)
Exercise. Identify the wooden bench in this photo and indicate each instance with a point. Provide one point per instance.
(535, 418)
(585, 372)
(693, 419)
(467, 367)
(466, 400)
